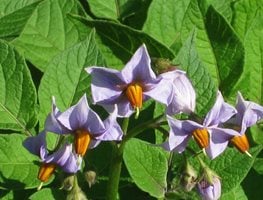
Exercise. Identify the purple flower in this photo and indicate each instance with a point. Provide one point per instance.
(86, 126)
(248, 113)
(208, 135)
(63, 157)
(210, 191)
(128, 88)
(183, 95)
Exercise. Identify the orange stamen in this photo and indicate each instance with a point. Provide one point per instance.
(201, 136)
(45, 171)
(134, 94)
(241, 143)
(82, 140)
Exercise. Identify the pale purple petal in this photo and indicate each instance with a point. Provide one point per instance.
(113, 130)
(183, 96)
(248, 113)
(106, 83)
(139, 67)
(161, 91)
(52, 124)
(210, 191)
(220, 112)
(94, 143)
(81, 116)
(123, 106)
(36, 144)
(180, 133)
(219, 138)
(71, 165)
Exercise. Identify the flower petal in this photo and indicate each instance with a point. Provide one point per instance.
(82, 116)
(62, 156)
(139, 67)
(219, 138)
(180, 133)
(36, 144)
(51, 123)
(106, 83)
(248, 113)
(220, 112)
(123, 106)
(183, 96)
(161, 91)
(113, 129)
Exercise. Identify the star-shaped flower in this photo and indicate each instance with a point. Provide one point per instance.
(208, 135)
(85, 125)
(130, 87)
(248, 113)
(63, 157)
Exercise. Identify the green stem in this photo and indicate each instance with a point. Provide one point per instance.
(117, 154)
(116, 164)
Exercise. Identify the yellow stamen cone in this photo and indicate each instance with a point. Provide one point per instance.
(241, 143)
(82, 140)
(45, 171)
(134, 94)
(201, 136)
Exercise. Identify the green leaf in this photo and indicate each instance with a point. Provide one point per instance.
(48, 194)
(227, 49)
(204, 85)
(147, 165)
(118, 42)
(251, 80)
(105, 9)
(7, 195)
(164, 20)
(258, 165)
(235, 194)
(194, 19)
(65, 77)
(18, 103)
(16, 164)
(13, 22)
(245, 11)
(233, 167)
(49, 32)
(224, 7)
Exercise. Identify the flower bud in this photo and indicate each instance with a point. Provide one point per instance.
(188, 178)
(210, 191)
(90, 177)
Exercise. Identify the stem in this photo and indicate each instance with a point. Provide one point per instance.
(116, 164)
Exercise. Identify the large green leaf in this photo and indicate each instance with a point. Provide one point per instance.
(65, 77)
(204, 85)
(227, 49)
(118, 42)
(251, 80)
(224, 7)
(235, 194)
(147, 165)
(16, 164)
(194, 19)
(13, 21)
(233, 167)
(49, 31)
(245, 12)
(164, 20)
(18, 106)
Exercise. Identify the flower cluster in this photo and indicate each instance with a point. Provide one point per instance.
(84, 125)
(123, 93)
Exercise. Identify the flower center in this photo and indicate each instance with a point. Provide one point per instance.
(241, 143)
(82, 140)
(134, 94)
(201, 136)
(45, 171)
